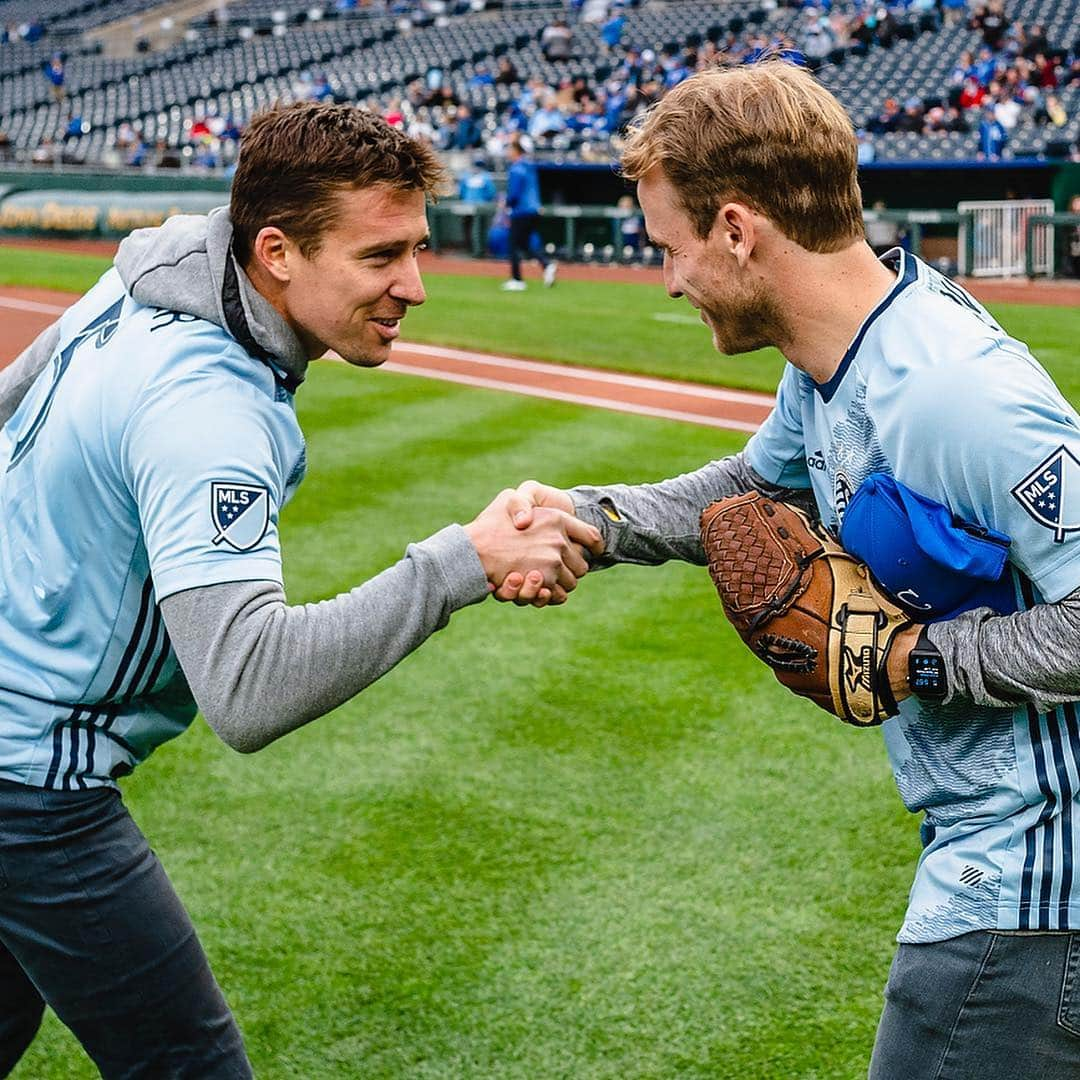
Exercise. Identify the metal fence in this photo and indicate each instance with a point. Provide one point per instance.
(997, 239)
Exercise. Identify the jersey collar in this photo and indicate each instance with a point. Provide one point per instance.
(907, 272)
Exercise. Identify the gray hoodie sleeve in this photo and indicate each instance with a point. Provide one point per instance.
(259, 668)
(1003, 660)
(16, 378)
(652, 523)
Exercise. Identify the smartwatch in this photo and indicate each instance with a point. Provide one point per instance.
(926, 670)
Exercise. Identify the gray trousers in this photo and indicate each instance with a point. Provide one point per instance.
(91, 926)
(990, 1005)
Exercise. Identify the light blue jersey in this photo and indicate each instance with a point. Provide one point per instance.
(934, 392)
(152, 455)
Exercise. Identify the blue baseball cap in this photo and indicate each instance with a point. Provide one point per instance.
(930, 561)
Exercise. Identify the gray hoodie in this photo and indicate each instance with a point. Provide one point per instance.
(257, 667)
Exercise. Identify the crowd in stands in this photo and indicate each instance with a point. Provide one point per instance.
(1015, 70)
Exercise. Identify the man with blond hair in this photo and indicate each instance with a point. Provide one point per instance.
(149, 441)
(905, 416)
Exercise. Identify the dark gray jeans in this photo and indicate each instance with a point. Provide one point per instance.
(990, 1005)
(90, 925)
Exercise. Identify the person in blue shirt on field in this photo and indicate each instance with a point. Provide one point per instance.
(523, 202)
(939, 451)
(148, 443)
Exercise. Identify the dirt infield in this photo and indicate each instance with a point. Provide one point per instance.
(24, 313)
(989, 291)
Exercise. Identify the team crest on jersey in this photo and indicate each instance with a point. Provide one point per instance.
(1045, 493)
(240, 513)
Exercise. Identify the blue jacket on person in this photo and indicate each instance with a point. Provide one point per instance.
(523, 188)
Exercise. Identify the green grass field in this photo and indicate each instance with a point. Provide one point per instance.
(589, 842)
(622, 327)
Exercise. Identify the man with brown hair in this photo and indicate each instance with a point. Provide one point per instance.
(940, 452)
(149, 442)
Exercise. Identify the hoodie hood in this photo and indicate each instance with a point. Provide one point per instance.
(187, 265)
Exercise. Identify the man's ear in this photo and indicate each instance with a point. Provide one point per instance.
(272, 250)
(737, 231)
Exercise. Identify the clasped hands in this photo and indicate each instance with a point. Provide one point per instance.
(532, 546)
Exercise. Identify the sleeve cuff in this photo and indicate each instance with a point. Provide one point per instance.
(458, 562)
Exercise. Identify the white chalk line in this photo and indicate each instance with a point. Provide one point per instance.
(575, 399)
(31, 305)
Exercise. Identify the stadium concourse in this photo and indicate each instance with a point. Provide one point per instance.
(25, 312)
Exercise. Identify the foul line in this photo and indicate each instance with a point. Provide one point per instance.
(645, 382)
(31, 305)
(575, 399)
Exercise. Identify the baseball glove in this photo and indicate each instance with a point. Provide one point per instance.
(804, 605)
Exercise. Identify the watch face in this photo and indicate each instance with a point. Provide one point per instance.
(926, 675)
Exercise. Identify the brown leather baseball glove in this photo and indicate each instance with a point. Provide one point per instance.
(803, 604)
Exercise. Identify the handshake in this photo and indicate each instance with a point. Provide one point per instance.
(531, 545)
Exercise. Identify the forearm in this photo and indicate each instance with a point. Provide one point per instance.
(259, 668)
(18, 376)
(652, 523)
(1002, 660)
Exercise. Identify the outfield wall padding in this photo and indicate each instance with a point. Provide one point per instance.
(107, 214)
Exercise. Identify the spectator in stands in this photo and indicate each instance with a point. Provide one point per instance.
(1037, 42)
(523, 202)
(989, 19)
(55, 74)
(992, 136)
(45, 153)
(1044, 76)
(547, 121)
(935, 122)
(911, 119)
(886, 120)
(865, 151)
(964, 69)
(463, 132)
(481, 77)
(985, 66)
(816, 39)
(972, 95)
(612, 31)
(955, 122)
(556, 40)
(507, 74)
(1051, 112)
(1006, 109)
(167, 155)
